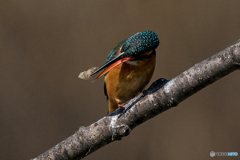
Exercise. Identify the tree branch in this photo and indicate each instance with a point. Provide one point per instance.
(159, 97)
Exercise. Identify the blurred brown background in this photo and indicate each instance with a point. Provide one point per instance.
(45, 44)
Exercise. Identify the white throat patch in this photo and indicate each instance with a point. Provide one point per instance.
(134, 63)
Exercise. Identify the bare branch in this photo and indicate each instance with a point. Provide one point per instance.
(160, 96)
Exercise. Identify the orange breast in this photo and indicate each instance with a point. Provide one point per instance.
(128, 79)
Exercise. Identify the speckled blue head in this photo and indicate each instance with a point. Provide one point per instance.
(139, 43)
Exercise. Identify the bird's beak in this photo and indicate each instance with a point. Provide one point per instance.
(112, 63)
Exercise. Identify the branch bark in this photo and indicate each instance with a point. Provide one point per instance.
(159, 97)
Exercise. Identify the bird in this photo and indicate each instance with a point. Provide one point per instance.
(129, 68)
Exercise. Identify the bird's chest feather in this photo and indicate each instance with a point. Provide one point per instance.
(130, 78)
(135, 74)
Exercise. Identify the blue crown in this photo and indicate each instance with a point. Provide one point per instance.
(141, 42)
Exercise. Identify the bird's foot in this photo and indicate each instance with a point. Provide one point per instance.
(120, 105)
(144, 92)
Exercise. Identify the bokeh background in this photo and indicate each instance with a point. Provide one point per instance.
(44, 45)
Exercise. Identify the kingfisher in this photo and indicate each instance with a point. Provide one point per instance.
(129, 68)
